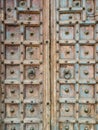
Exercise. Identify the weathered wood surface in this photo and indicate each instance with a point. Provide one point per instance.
(25, 83)
(74, 64)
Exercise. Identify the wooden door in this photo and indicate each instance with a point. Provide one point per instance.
(25, 84)
(74, 64)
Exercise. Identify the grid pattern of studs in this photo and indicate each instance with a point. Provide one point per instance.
(76, 50)
(22, 63)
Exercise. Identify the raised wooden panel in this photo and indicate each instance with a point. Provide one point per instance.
(25, 85)
(74, 80)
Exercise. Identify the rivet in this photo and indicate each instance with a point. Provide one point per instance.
(31, 91)
(86, 128)
(31, 33)
(86, 91)
(66, 127)
(67, 52)
(67, 109)
(12, 52)
(22, 3)
(9, 9)
(13, 128)
(86, 72)
(66, 90)
(86, 110)
(12, 34)
(32, 128)
(86, 32)
(32, 110)
(66, 32)
(86, 52)
(12, 71)
(12, 91)
(77, 4)
(29, 18)
(12, 110)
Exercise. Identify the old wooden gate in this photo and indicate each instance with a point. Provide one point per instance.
(49, 65)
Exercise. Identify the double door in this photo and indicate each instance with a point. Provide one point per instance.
(49, 65)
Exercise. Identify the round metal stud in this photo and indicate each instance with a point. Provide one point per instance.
(31, 91)
(86, 110)
(86, 52)
(13, 128)
(67, 109)
(86, 91)
(11, 71)
(12, 52)
(12, 34)
(70, 17)
(22, 3)
(32, 128)
(29, 18)
(12, 110)
(86, 72)
(66, 32)
(86, 128)
(77, 4)
(32, 110)
(86, 32)
(12, 91)
(31, 33)
(66, 127)
(67, 52)
(66, 90)
(9, 9)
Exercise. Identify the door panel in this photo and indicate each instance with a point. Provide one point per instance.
(25, 85)
(74, 60)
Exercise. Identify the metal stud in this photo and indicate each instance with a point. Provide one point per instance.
(9, 9)
(66, 32)
(66, 127)
(29, 18)
(67, 109)
(86, 128)
(32, 110)
(12, 34)
(11, 71)
(87, 32)
(86, 52)
(31, 33)
(13, 128)
(86, 72)
(67, 52)
(12, 110)
(86, 110)
(12, 91)
(66, 90)
(12, 52)
(31, 91)
(86, 91)
(32, 128)
(22, 3)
